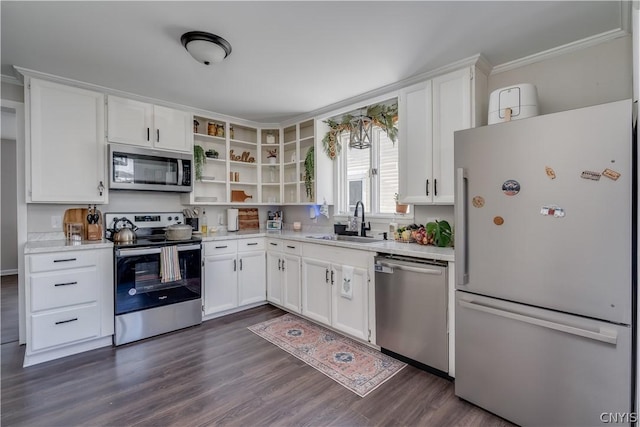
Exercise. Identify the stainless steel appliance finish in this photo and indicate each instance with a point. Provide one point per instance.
(146, 303)
(411, 309)
(544, 292)
(134, 168)
(155, 321)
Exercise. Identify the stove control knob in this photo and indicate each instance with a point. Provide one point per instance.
(175, 218)
(168, 218)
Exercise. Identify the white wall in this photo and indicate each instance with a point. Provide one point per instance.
(8, 214)
(589, 76)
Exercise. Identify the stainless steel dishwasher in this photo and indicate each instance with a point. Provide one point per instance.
(411, 309)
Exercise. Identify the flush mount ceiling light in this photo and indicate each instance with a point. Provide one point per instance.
(206, 47)
(360, 135)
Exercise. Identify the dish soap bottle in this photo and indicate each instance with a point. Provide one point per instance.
(203, 223)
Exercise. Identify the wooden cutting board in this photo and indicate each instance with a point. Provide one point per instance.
(248, 219)
(239, 196)
(79, 216)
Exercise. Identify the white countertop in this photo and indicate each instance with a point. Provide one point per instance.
(44, 246)
(380, 246)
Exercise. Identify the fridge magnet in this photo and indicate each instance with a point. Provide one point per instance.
(511, 187)
(550, 172)
(477, 201)
(552, 210)
(498, 220)
(611, 174)
(595, 176)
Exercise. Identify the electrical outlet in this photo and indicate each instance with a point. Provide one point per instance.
(312, 212)
(220, 219)
(56, 222)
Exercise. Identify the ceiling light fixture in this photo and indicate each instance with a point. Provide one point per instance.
(360, 135)
(206, 48)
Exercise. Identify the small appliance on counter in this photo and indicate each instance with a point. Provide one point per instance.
(274, 220)
(232, 219)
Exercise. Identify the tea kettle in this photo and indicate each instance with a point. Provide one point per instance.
(126, 232)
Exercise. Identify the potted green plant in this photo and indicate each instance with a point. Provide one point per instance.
(309, 172)
(198, 159)
(440, 232)
(400, 207)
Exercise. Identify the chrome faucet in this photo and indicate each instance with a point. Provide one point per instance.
(363, 227)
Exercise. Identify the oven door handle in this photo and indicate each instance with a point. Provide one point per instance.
(151, 251)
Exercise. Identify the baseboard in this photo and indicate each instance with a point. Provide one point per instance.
(8, 272)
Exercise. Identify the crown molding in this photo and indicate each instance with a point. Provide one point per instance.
(11, 80)
(390, 90)
(560, 50)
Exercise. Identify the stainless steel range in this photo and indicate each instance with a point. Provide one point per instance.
(157, 281)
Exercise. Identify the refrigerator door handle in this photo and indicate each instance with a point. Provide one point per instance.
(606, 336)
(460, 218)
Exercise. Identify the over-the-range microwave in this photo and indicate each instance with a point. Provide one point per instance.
(139, 168)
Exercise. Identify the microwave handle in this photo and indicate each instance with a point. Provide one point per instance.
(180, 172)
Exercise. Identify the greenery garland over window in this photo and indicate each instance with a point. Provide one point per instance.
(382, 115)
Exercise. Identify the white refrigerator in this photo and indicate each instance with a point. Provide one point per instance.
(545, 278)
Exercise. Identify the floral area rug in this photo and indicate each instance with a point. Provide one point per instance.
(355, 366)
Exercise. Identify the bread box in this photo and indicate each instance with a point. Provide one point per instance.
(522, 99)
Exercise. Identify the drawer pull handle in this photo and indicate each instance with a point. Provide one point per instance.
(221, 247)
(279, 264)
(163, 297)
(66, 321)
(273, 244)
(252, 244)
(291, 247)
(66, 284)
(65, 260)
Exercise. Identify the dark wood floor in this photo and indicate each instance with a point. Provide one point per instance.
(218, 373)
(9, 309)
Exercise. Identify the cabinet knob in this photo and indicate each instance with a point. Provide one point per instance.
(101, 188)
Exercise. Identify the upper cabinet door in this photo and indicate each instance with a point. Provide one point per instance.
(415, 149)
(65, 147)
(451, 112)
(173, 129)
(130, 122)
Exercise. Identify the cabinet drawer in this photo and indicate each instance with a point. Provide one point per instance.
(245, 245)
(220, 247)
(274, 245)
(61, 289)
(292, 247)
(64, 326)
(62, 260)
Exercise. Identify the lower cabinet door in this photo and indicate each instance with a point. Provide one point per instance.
(274, 277)
(64, 326)
(220, 283)
(291, 274)
(349, 306)
(251, 277)
(316, 290)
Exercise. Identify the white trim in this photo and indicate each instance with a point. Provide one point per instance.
(388, 90)
(559, 50)
(9, 272)
(21, 208)
(109, 91)
(10, 80)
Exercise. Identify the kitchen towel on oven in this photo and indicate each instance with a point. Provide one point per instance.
(169, 266)
(346, 289)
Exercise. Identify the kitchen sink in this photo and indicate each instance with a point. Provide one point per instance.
(343, 238)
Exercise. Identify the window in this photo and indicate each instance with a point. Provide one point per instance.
(369, 175)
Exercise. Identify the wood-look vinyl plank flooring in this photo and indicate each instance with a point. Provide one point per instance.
(218, 373)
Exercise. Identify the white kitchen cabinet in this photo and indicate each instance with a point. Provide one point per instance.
(429, 114)
(283, 273)
(139, 123)
(316, 289)
(274, 272)
(69, 303)
(234, 275)
(323, 269)
(65, 151)
(298, 139)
